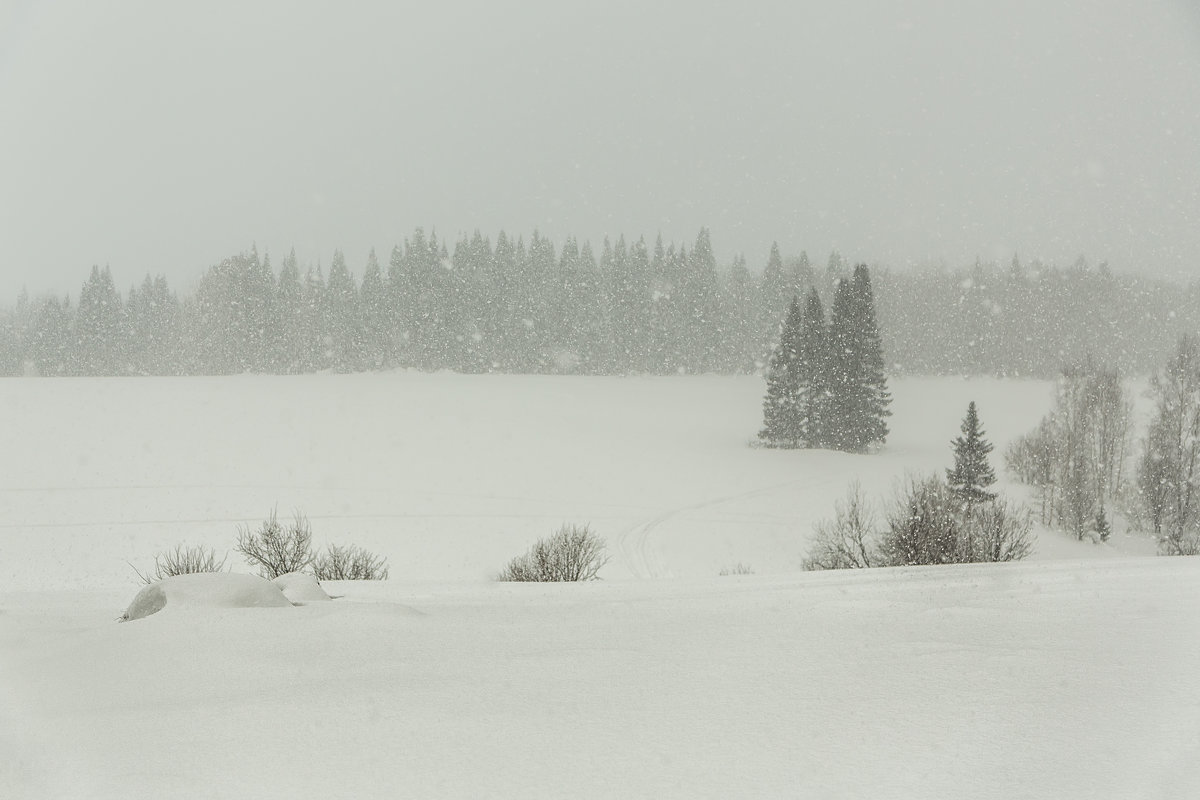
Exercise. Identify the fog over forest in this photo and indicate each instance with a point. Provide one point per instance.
(157, 139)
(627, 307)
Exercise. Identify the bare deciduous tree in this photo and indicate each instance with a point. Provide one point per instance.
(1154, 476)
(848, 541)
(1111, 431)
(1032, 460)
(1076, 456)
(1168, 477)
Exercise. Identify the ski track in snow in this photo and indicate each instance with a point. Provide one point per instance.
(633, 543)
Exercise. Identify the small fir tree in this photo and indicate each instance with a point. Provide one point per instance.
(972, 474)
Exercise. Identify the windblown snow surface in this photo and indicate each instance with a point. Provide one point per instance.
(1072, 675)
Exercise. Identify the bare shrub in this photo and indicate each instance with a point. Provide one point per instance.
(277, 550)
(351, 563)
(997, 531)
(183, 560)
(573, 553)
(740, 569)
(521, 569)
(1185, 543)
(928, 524)
(849, 540)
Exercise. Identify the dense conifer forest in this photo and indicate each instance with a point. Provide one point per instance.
(528, 306)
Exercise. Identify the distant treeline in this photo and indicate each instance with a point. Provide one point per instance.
(529, 307)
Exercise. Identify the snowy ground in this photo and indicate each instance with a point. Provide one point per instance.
(1069, 676)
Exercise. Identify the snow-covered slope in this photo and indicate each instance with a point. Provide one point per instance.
(1043, 680)
(1068, 676)
(447, 475)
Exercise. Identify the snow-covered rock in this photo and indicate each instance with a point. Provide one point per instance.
(206, 590)
(300, 587)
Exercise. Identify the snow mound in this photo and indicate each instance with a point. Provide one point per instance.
(206, 590)
(300, 587)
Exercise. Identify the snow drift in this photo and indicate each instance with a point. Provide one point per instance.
(992, 681)
(300, 587)
(206, 590)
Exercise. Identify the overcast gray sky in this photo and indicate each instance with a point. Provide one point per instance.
(159, 137)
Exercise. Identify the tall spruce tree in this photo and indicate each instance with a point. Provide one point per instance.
(972, 474)
(98, 326)
(858, 392)
(342, 313)
(782, 422)
(255, 287)
(699, 290)
(773, 290)
(288, 333)
(373, 307)
(813, 365)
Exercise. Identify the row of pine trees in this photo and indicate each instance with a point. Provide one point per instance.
(525, 305)
(512, 307)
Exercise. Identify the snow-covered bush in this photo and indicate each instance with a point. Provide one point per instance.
(738, 569)
(925, 526)
(301, 587)
(206, 590)
(351, 563)
(277, 550)
(183, 560)
(573, 553)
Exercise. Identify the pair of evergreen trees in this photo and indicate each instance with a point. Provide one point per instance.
(826, 386)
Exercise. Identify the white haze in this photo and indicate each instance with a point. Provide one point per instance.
(162, 137)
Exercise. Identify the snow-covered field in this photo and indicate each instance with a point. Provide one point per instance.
(1072, 675)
